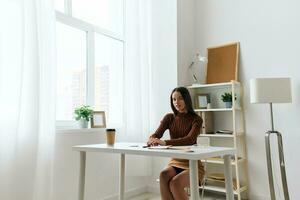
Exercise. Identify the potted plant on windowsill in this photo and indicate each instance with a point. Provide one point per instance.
(227, 99)
(83, 115)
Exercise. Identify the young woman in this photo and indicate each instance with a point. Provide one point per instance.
(184, 126)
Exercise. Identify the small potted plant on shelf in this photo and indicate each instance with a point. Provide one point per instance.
(83, 115)
(227, 99)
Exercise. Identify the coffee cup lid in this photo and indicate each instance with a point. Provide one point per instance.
(110, 129)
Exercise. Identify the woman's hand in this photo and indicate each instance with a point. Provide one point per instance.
(155, 141)
(151, 141)
(159, 142)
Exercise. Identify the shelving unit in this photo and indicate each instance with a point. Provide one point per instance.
(231, 119)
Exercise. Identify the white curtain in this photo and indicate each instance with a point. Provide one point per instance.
(27, 96)
(137, 70)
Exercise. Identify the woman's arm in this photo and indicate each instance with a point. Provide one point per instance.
(191, 137)
(164, 125)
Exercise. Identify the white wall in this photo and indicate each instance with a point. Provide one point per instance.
(185, 40)
(268, 32)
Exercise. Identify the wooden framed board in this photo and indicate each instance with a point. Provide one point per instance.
(222, 63)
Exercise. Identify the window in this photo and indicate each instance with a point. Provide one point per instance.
(71, 70)
(106, 14)
(59, 5)
(90, 57)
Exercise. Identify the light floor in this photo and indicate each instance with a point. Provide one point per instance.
(150, 196)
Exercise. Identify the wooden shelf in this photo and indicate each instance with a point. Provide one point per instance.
(221, 161)
(221, 135)
(217, 135)
(221, 189)
(195, 86)
(216, 109)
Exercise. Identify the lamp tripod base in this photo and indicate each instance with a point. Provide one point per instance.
(281, 162)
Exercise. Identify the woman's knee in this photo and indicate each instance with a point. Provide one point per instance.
(164, 175)
(176, 184)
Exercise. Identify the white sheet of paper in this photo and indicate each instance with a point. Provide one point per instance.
(202, 101)
(98, 120)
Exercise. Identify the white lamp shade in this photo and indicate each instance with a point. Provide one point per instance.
(270, 90)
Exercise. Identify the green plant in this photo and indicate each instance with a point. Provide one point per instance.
(84, 112)
(227, 97)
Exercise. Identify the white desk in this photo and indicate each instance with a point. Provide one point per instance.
(137, 149)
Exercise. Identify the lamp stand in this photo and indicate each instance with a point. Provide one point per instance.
(281, 160)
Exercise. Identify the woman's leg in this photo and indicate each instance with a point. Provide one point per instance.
(164, 181)
(177, 185)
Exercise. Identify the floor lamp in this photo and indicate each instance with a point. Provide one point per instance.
(272, 90)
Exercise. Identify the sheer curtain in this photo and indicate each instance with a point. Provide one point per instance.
(137, 70)
(27, 96)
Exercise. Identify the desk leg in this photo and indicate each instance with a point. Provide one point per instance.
(81, 175)
(228, 178)
(122, 177)
(194, 186)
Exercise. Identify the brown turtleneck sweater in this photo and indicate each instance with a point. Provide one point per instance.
(184, 129)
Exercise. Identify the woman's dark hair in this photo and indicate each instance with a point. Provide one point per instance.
(186, 97)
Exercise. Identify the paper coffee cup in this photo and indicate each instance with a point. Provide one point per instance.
(110, 136)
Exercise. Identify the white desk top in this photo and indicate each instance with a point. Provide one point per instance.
(199, 152)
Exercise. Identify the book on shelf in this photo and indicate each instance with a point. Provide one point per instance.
(224, 132)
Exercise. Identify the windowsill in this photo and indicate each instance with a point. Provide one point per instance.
(79, 131)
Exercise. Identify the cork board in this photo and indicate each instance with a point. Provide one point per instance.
(222, 63)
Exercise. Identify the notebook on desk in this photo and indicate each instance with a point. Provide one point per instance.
(185, 149)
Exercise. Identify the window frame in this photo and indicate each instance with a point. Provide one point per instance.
(90, 29)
